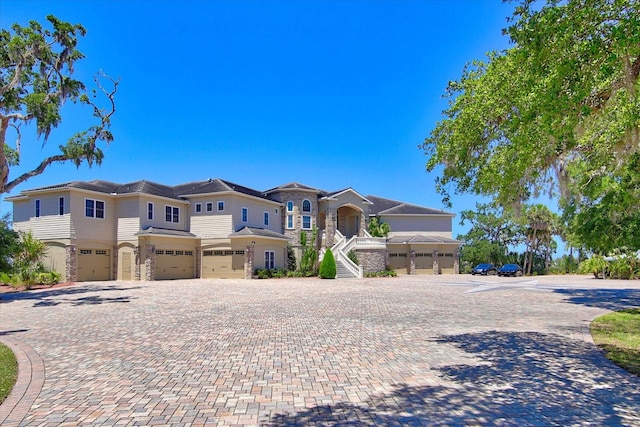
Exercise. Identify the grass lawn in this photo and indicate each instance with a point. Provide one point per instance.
(8, 371)
(618, 334)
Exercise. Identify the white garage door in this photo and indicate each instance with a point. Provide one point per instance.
(223, 264)
(174, 264)
(94, 264)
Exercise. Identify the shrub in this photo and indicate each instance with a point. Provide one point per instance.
(328, 267)
(596, 265)
(353, 256)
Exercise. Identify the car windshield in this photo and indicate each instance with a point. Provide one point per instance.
(483, 266)
(509, 267)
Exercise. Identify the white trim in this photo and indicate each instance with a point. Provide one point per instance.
(172, 214)
(95, 208)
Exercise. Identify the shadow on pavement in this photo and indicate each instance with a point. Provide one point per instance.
(67, 295)
(610, 299)
(520, 379)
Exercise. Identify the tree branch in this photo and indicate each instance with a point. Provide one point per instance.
(37, 171)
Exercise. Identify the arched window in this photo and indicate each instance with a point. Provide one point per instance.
(289, 206)
(306, 206)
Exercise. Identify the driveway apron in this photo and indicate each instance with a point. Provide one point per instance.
(413, 350)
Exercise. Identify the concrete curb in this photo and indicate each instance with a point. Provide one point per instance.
(30, 380)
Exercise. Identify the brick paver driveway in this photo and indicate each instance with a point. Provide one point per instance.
(445, 350)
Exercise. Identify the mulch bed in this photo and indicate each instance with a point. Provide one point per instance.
(8, 288)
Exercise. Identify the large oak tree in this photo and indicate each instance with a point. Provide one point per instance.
(36, 68)
(558, 112)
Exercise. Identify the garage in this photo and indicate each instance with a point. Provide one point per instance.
(174, 264)
(424, 262)
(94, 265)
(223, 264)
(399, 262)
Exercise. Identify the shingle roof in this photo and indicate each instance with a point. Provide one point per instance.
(258, 232)
(382, 206)
(216, 185)
(420, 238)
(294, 186)
(154, 231)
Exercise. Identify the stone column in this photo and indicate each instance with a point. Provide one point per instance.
(198, 262)
(248, 261)
(150, 263)
(436, 268)
(330, 227)
(363, 224)
(136, 271)
(72, 263)
(412, 262)
(456, 262)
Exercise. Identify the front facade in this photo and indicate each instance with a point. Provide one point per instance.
(100, 230)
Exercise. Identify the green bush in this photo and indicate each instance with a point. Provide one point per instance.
(353, 256)
(595, 265)
(328, 268)
(387, 272)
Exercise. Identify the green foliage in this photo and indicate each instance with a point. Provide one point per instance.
(595, 265)
(328, 268)
(26, 268)
(8, 371)
(618, 334)
(378, 228)
(36, 68)
(353, 256)
(556, 113)
(566, 264)
(9, 245)
(291, 258)
(387, 272)
(309, 254)
(275, 273)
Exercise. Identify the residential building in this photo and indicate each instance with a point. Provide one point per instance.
(99, 230)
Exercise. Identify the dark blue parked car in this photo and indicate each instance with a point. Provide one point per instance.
(510, 270)
(484, 269)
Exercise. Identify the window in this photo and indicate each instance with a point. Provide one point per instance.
(245, 214)
(61, 206)
(209, 207)
(94, 208)
(266, 218)
(306, 206)
(289, 222)
(86, 251)
(198, 207)
(150, 211)
(269, 260)
(306, 222)
(37, 208)
(101, 252)
(289, 206)
(220, 206)
(171, 214)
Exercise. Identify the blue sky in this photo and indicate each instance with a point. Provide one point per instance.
(331, 94)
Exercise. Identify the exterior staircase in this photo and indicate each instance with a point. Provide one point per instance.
(343, 272)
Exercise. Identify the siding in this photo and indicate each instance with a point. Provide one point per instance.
(128, 216)
(212, 226)
(428, 225)
(96, 229)
(49, 225)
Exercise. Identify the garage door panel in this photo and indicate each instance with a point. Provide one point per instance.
(94, 265)
(222, 264)
(174, 264)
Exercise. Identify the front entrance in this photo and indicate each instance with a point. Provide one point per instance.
(348, 221)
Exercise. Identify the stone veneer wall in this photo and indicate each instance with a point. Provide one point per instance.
(150, 263)
(372, 260)
(297, 197)
(71, 263)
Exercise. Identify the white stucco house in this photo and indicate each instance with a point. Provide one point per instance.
(100, 230)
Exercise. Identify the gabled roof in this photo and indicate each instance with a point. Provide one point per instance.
(216, 185)
(293, 186)
(382, 206)
(346, 190)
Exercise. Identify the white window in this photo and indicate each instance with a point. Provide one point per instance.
(61, 206)
(306, 222)
(220, 206)
(269, 260)
(289, 222)
(266, 218)
(150, 211)
(209, 207)
(289, 206)
(245, 214)
(94, 208)
(37, 208)
(306, 206)
(198, 207)
(171, 214)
